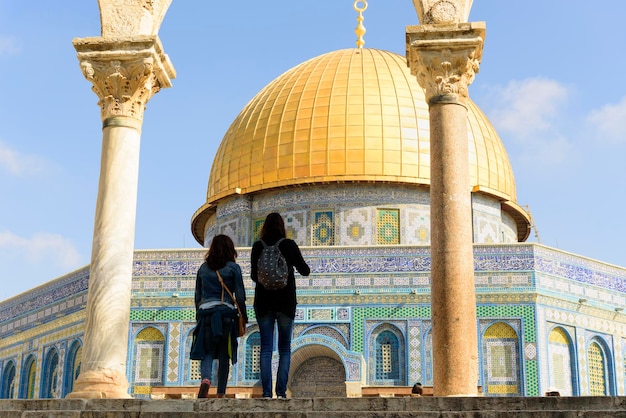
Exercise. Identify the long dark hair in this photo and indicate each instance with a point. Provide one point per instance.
(221, 251)
(274, 226)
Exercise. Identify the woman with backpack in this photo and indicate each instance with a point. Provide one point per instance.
(274, 301)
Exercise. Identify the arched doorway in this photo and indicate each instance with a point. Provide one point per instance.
(317, 371)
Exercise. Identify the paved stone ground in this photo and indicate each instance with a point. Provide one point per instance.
(429, 407)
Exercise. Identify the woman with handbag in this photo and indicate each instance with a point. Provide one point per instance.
(220, 300)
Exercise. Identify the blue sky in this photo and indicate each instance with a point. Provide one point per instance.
(551, 82)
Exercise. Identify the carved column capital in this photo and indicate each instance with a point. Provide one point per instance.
(125, 73)
(445, 58)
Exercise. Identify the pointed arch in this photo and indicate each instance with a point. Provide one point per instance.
(149, 357)
(50, 374)
(329, 330)
(501, 360)
(8, 381)
(71, 370)
(191, 370)
(427, 377)
(599, 366)
(252, 360)
(27, 378)
(561, 355)
(386, 351)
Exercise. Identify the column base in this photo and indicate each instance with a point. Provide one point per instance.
(353, 389)
(101, 384)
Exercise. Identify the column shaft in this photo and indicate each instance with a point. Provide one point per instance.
(103, 368)
(453, 298)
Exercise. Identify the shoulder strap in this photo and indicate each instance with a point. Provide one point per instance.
(219, 276)
(275, 244)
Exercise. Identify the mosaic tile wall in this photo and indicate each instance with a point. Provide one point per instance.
(351, 214)
(62, 296)
(490, 224)
(353, 295)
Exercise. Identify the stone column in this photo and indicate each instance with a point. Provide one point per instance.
(445, 57)
(125, 74)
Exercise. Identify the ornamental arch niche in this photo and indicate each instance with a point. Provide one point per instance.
(600, 368)
(7, 391)
(71, 370)
(387, 364)
(501, 361)
(50, 374)
(28, 377)
(560, 358)
(149, 358)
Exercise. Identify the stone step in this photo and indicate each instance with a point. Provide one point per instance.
(451, 407)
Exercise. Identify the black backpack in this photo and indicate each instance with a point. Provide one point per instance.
(272, 268)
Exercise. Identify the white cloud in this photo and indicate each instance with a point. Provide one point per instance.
(528, 106)
(8, 46)
(610, 122)
(41, 249)
(19, 163)
(528, 112)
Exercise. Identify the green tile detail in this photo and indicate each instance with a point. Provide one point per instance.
(531, 378)
(526, 312)
(382, 312)
(163, 315)
(170, 315)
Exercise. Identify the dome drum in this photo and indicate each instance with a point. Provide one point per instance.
(349, 214)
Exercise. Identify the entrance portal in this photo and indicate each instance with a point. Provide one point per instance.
(319, 377)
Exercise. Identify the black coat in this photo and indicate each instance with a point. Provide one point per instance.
(280, 300)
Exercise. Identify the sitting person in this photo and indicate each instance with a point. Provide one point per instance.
(417, 389)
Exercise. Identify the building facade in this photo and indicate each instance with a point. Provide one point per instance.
(547, 320)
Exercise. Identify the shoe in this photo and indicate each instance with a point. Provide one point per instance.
(281, 396)
(204, 388)
(221, 395)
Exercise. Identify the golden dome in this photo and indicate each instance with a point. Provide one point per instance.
(347, 116)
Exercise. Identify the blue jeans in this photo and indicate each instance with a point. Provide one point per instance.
(206, 365)
(267, 324)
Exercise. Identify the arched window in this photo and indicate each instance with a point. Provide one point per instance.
(8, 381)
(50, 378)
(192, 371)
(72, 366)
(27, 380)
(501, 361)
(560, 349)
(252, 367)
(427, 379)
(596, 362)
(149, 359)
(389, 364)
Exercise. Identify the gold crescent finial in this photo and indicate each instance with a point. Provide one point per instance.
(360, 29)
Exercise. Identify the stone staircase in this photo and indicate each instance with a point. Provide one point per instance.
(435, 407)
